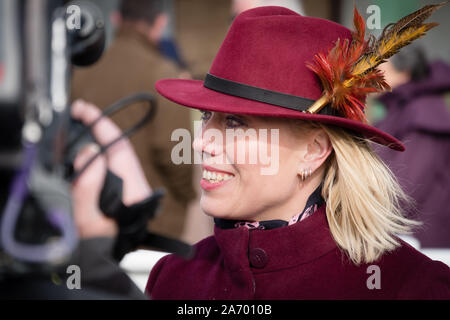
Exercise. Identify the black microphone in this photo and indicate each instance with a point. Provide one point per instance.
(86, 26)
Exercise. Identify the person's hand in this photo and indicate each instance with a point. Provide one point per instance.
(89, 219)
(120, 159)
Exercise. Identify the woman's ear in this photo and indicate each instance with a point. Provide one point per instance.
(317, 150)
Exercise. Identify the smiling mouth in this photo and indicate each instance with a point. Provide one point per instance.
(216, 177)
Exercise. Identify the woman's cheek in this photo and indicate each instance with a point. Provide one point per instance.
(244, 150)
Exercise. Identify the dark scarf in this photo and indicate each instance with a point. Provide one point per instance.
(314, 201)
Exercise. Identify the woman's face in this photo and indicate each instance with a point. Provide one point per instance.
(251, 167)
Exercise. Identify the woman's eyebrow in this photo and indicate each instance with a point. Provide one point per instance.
(240, 116)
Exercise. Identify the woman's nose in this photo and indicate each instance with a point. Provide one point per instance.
(207, 142)
(197, 144)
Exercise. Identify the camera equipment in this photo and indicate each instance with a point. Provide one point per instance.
(40, 40)
(132, 220)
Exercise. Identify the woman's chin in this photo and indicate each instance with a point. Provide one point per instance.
(215, 209)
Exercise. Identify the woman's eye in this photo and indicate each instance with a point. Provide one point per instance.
(234, 122)
(206, 115)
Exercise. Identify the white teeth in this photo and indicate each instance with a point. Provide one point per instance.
(216, 176)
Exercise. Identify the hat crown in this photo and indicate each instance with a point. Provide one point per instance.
(268, 47)
(261, 70)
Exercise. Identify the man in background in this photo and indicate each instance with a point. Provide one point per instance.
(132, 64)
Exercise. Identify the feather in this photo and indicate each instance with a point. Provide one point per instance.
(388, 46)
(360, 27)
(349, 71)
(414, 19)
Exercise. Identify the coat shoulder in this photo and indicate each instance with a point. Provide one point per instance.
(423, 278)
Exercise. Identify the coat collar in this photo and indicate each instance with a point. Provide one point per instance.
(278, 248)
(314, 201)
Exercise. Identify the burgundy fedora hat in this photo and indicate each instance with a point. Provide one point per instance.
(261, 69)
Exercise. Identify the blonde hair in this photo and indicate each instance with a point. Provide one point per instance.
(363, 198)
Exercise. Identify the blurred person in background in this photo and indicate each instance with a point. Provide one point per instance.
(417, 111)
(168, 45)
(131, 64)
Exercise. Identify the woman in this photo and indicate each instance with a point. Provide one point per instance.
(319, 217)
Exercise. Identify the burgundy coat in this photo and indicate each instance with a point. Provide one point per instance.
(300, 261)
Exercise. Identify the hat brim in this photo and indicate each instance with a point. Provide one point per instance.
(192, 94)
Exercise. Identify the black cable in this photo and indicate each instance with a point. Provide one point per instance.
(110, 110)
